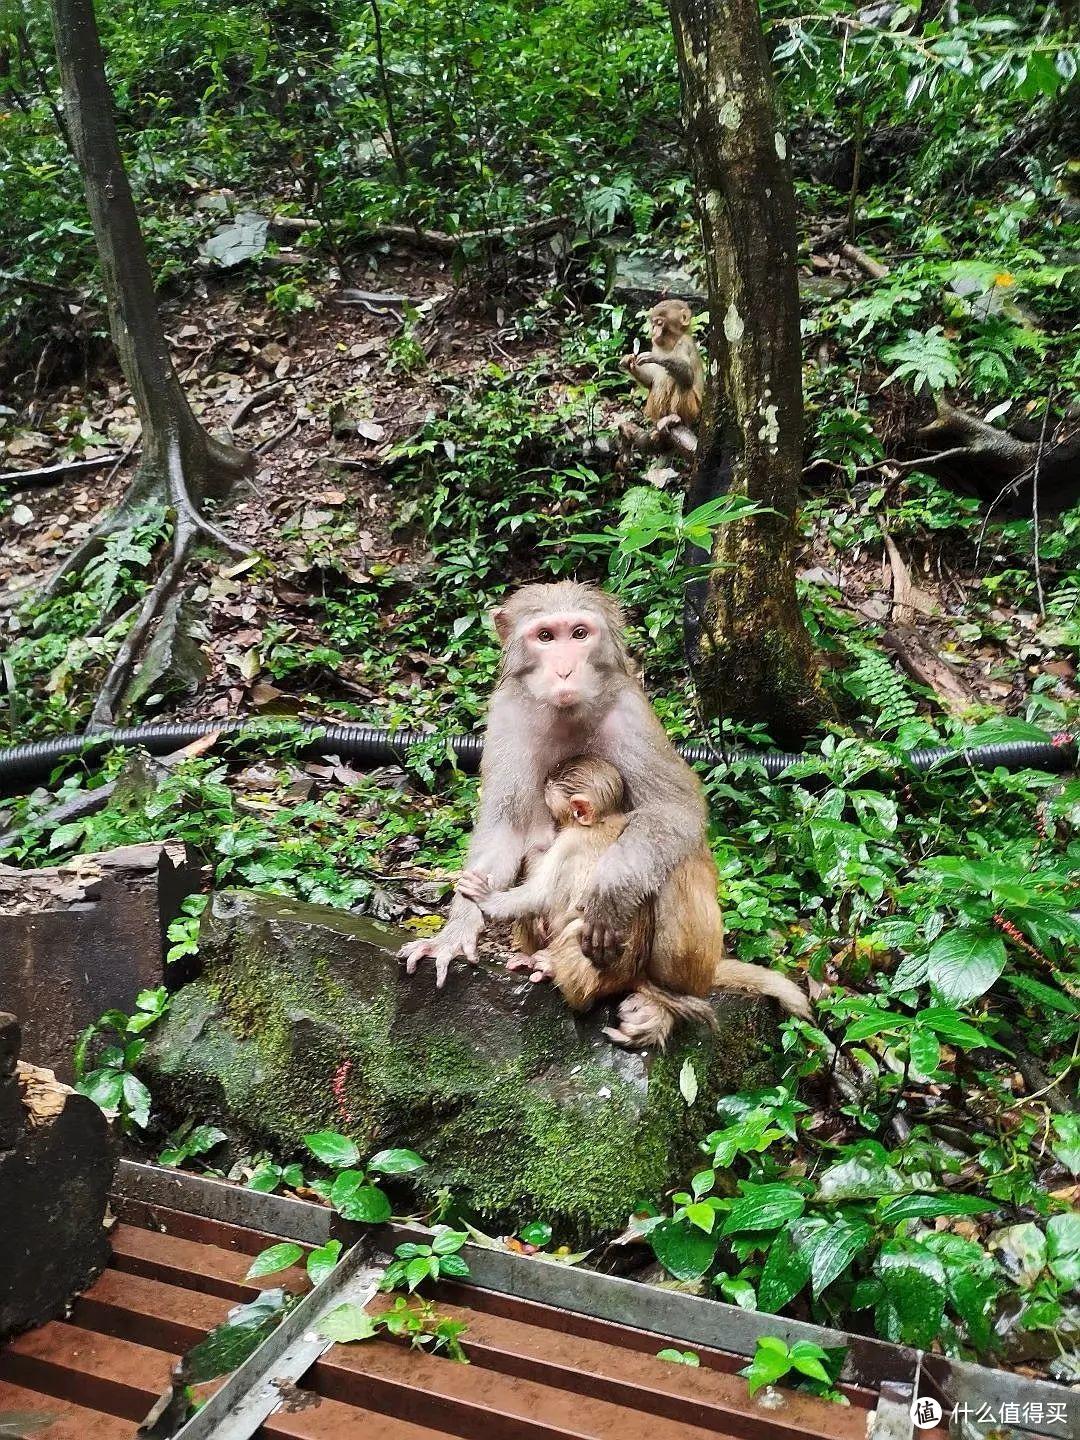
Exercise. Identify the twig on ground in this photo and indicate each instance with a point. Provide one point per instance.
(53, 474)
(254, 401)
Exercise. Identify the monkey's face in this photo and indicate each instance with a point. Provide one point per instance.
(561, 658)
(668, 323)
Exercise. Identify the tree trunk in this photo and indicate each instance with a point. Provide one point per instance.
(751, 653)
(208, 466)
(181, 464)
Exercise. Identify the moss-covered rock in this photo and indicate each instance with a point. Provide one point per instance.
(519, 1107)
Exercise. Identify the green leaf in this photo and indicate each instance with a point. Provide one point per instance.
(105, 1088)
(701, 1215)
(944, 1021)
(321, 1262)
(136, 1100)
(277, 1257)
(908, 1207)
(418, 1270)
(1066, 1141)
(684, 1251)
(763, 1207)
(333, 1149)
(347, 1323)
(860, 1178)
(833, 1250)
(394, 1162)
(448, 1242)
(925, 1050)
(230, 1343)
(771, 1362)
(964, 963)
(354, 1199)
(1063, 1248)
(787, 1269)
(536, 1232)
(679, 1357)
(454, 1266)
(265, 1178)
(912, 1303)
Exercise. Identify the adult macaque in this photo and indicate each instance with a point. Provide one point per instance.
(671, 371)
(674, 951)
(567, 687)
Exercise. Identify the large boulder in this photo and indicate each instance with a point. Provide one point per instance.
(303, 1018)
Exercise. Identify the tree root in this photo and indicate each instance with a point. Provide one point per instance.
(189, 524)
(998, 467)
(672, 439)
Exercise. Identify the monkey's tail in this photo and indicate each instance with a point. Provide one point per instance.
(760, 980)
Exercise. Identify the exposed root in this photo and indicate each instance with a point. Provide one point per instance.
(664, 440)
(189, 524)
(999, 467)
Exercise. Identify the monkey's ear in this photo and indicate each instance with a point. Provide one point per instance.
(503, 626)
(581, 808)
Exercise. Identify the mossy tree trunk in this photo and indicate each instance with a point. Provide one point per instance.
(751, 652)
(181, 464)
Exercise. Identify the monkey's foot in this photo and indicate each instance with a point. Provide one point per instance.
(641, 1022)
(665, 423)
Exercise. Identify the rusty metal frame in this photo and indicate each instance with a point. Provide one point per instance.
(897, 1373)
(252, 1392)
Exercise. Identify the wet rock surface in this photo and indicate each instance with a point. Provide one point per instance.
(57, 1160)
(303, 1018)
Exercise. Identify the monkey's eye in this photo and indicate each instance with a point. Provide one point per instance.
(544, 636)
(579, 633)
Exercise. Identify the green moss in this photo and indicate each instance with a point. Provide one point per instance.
(520, 1110)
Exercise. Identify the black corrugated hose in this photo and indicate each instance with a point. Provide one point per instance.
(368, 745)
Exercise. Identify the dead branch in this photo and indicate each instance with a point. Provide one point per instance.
(53, 474)
(298, 224)
(678, 439)
(446, 244)
(996, 465)
(866, 263)
(926, 666)
(254, 401)
(275, 440)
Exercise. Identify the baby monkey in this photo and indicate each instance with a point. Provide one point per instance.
(671, 371)
(673, 955)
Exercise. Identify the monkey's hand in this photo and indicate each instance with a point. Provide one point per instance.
(629, 363)
(459, 937)
(540, 965)
(474, 885)
(603, 934)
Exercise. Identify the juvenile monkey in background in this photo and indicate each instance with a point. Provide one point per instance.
(671, 371)
(673, 954)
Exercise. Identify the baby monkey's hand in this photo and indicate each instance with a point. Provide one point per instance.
(474, 885)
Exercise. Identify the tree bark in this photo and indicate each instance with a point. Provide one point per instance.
(181, 464)
(750, 650)
(168, 423)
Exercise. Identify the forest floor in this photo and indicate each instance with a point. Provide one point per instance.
(320, 400)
